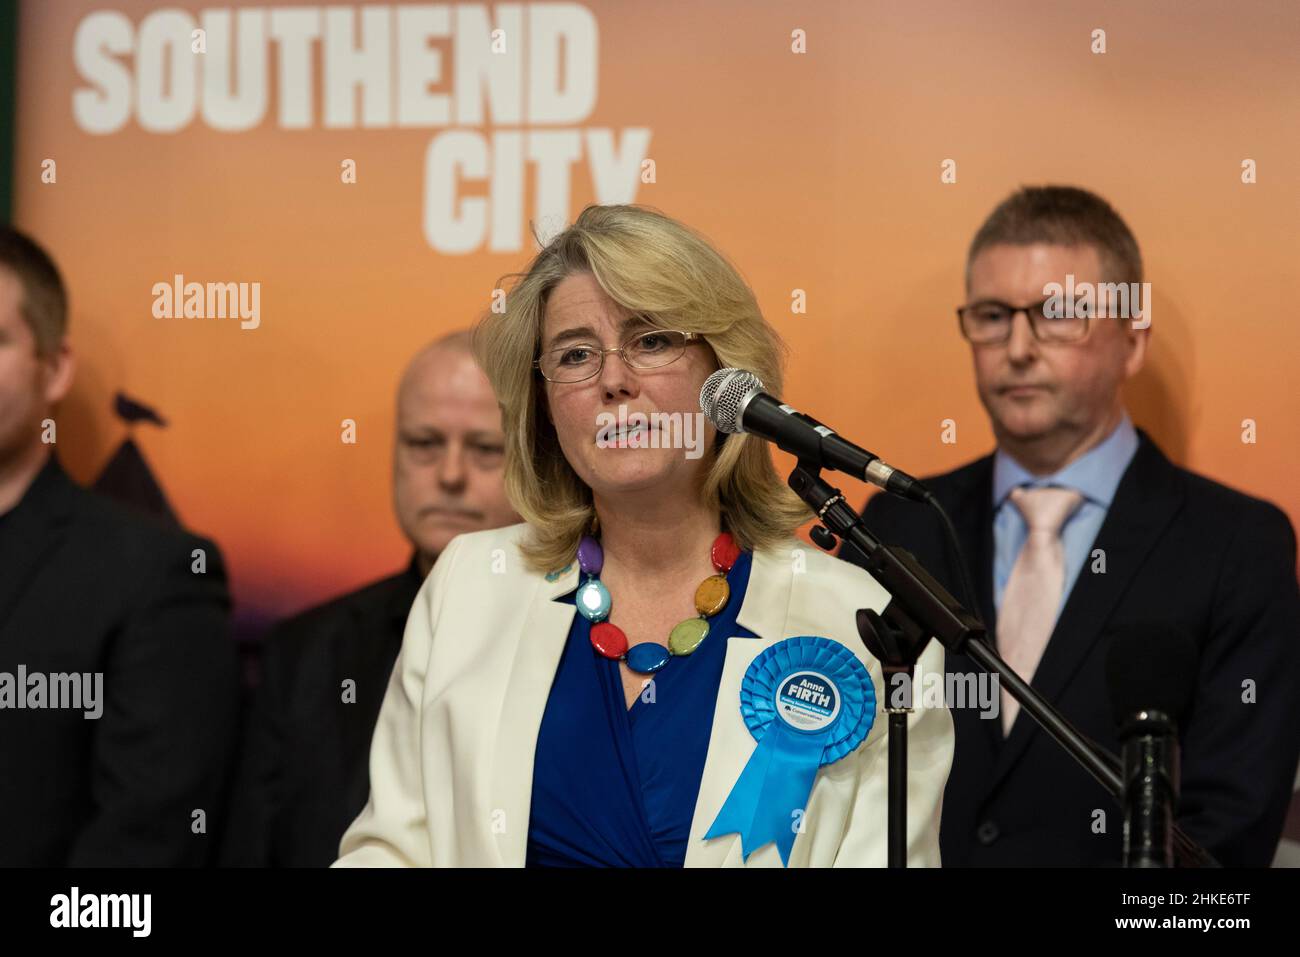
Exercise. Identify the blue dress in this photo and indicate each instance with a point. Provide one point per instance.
(615, 786)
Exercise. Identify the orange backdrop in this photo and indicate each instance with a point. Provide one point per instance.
(818, 171)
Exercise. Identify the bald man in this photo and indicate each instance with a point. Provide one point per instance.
(449, 452)
(304, 777)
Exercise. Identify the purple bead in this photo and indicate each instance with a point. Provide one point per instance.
(591, 557)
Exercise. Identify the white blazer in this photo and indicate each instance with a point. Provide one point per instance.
(451, 762)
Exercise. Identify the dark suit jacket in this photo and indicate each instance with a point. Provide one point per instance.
(89, 586)
(1179, 548)
(304, 775)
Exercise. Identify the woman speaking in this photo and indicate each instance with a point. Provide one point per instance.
(651, 670)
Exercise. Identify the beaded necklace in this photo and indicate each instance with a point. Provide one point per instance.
(594, 603)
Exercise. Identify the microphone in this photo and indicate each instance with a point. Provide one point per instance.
(734, 401)
(1151, 674)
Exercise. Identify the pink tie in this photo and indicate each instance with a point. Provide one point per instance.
(1033, 591)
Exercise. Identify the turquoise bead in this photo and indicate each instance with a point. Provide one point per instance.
(593, 600)
(647, 657)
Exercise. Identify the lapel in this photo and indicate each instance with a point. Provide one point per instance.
(972, 515)
(1146, 501)
(32, 532)
(541, 638)
(768, 612)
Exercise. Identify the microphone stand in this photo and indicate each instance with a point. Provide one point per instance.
(919, 608)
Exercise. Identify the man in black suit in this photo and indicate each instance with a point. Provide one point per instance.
(304, 776)
(118, 682)
(1078, 526)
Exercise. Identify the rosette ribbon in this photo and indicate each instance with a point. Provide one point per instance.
(808, 702)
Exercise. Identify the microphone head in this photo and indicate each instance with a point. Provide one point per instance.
(1150, 667)
(722, 397)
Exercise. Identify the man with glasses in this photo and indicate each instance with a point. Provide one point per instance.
(303, 777)
(1077, 527)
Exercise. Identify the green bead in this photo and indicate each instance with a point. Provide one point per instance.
(687, 635)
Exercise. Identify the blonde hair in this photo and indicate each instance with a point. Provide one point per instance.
(653, 266)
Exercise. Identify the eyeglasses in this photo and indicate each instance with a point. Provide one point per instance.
(650, 349)
(988, 323)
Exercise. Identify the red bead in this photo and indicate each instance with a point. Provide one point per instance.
(724, 552)
(608, 639)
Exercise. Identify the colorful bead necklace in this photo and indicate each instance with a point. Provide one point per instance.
(608, 639)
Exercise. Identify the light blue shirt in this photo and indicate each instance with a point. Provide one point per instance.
(1095, 475)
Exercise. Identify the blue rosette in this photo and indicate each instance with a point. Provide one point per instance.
(808, 702)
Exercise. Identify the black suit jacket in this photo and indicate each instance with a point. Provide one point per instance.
(304, 775)
(1181, 549)
(89, 586)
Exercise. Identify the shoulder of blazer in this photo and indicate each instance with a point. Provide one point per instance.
(814, 579)
(485, 573)
(966, 487)
(962, 477)
(123, 541)
(366, 618)
(473, 553)
(1208, 500)
(812, 568)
